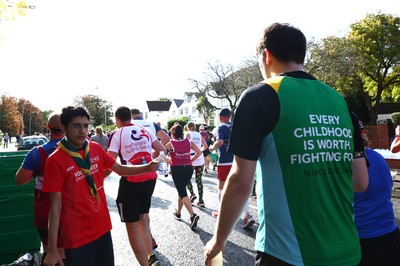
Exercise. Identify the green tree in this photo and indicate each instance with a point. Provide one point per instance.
(99, 109)
(332, 61)
(183, 120)
(376, 40)
(46, 114)
(204, 107)
(364, 65)
(31, 117)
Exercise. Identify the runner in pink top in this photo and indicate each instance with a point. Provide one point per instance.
(182, 169)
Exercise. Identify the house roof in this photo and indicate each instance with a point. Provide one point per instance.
(158, 105)
(178, 102)
(388, 108)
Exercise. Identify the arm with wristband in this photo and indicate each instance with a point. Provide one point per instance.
(359, 166)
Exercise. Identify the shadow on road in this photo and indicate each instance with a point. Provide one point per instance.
(160, 203)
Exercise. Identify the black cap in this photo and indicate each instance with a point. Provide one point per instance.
(225, 112)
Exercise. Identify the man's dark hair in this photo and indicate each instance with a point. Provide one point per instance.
(285, 42)
(123, 113)
(135, 111)
(70, 112)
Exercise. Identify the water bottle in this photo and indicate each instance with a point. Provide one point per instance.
(162, 164)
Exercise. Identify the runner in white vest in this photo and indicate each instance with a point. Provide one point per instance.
(137, 119)
(198, 164)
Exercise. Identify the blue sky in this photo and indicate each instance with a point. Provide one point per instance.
(133, 51)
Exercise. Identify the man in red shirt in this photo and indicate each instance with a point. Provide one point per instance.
(33, 167)
(74, 176)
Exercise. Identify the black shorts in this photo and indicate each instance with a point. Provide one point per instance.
(381, 250)
(206, 152)
(98, 252)
(264, 259)
(134, 199)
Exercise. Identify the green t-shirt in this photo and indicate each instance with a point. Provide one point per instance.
(305, 197)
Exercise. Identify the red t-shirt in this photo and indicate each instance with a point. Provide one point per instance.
(181, 152)
(83, 218)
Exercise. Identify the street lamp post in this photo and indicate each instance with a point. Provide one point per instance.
(22, 122)
(30, 123)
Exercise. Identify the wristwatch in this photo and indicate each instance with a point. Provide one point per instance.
(358, 154)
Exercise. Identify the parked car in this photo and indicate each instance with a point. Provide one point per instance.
(28, 142)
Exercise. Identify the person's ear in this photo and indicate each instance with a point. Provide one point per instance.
(268, 57)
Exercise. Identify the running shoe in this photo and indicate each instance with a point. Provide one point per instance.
(192, 198)
(248, 221)
(205, 171)
(153, 261)
(214, 213)
(201, 204)
(193, 221)
(177, 215)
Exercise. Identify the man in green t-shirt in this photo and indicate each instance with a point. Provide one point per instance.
(311, 158)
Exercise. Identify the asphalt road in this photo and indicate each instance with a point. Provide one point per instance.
(177, 243)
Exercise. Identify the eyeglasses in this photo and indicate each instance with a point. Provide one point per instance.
(80, 127)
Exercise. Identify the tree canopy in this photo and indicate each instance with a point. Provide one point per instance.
(364, 65)
(99, 109)
(204, 107)
(19, 115)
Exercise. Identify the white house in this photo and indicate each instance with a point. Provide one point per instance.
(157, 111)
(162, 111)
(175, 110)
